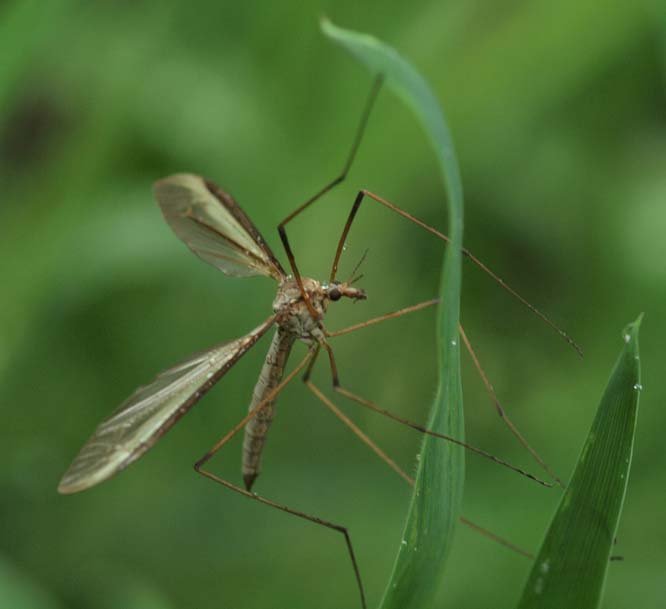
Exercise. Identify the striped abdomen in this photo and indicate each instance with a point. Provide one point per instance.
(257, 428)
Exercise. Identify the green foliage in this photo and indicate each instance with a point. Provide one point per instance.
(570, 570)
(435, 505)
(19, 592)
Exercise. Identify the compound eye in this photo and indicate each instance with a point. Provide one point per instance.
(335, 294)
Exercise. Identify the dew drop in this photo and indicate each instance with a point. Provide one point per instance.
(627, 338)
(454, 343)
(545, 566)
(404, 542)
(638, 386)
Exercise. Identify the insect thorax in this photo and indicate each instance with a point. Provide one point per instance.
(292, 312)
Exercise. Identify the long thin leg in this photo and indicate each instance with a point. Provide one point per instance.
(502, 413)
(372, 406)
(358, 432)
(332, 184)
(366, 193)
(477, 364)
(500, 540)
(252, 413)
(396, 468)
(198, 466)
(343, 236)
(313, 359)
(385, 317)
(478, 451)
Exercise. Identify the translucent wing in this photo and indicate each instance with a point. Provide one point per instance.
(151, 411)
(214, 227)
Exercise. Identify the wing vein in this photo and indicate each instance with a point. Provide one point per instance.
(152, 410)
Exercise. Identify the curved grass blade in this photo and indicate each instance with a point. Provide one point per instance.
(570, 569)
(435, 503)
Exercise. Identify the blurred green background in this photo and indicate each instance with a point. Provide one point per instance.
(557, 110)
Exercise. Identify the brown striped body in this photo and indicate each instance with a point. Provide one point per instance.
(294, 322)
(257, 428)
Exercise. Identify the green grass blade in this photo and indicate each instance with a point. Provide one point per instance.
(570, 569)
(435, 503)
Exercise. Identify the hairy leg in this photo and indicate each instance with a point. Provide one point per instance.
(418, 427)
(332, 184)
(477, 364)
(433, 231)
(284, 508)
(396, 468)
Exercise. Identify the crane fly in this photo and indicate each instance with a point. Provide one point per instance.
(214, 227)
